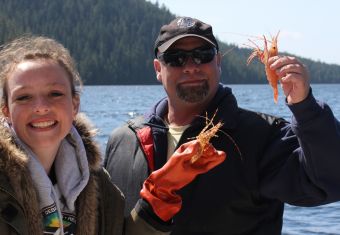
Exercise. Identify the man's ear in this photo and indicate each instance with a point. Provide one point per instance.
(157, 66)
(219, 62)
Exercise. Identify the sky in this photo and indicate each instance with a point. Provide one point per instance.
(308, 28)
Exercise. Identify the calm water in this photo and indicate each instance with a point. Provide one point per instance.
(110, 106)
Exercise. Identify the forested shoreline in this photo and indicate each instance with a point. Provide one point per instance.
(112, 40)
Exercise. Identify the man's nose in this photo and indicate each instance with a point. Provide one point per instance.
(190, 66)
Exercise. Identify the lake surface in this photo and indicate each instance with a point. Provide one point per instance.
(111, 106)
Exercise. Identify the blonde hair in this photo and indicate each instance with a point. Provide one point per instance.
(35, 48)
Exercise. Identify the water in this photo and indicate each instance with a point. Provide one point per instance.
(111, 106)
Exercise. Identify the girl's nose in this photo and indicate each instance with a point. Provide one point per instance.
(41, 106)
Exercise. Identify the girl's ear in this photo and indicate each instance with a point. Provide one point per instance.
(5, 112)
(76, 104)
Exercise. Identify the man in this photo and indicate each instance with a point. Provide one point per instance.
(269, 161)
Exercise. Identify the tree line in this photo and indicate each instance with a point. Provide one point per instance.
(112, 40)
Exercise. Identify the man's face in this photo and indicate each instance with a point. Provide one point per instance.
(189, 83)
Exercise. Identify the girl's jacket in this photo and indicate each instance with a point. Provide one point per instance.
(99, 207)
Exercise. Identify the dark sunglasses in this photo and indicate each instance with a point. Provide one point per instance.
(178, 58)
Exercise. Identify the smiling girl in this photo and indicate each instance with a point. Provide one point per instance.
(51, 179)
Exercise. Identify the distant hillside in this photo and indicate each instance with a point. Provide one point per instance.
(112, 40)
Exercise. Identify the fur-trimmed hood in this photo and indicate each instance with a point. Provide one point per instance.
(17, 182)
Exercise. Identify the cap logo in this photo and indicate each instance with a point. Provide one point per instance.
(185, 22)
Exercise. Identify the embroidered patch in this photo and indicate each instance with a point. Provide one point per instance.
(185, 22)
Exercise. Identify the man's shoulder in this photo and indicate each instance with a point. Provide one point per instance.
(137, 122)
(129, 128)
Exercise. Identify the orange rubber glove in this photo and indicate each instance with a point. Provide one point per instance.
(159, 189)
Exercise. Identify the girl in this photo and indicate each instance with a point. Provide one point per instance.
(51, 181)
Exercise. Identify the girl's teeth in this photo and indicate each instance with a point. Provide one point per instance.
(43, 124)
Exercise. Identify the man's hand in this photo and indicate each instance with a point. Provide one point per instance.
(159, 189)
(294, 77)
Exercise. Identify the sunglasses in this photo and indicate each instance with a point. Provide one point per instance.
(178, 58)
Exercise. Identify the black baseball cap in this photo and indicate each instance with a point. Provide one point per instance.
(183, 27)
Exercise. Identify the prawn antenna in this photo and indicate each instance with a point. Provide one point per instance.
(228, 51)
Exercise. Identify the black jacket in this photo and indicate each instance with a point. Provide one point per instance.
(269, 161)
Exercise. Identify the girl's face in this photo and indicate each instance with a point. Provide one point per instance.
(40, 105)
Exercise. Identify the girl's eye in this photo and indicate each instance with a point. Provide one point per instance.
(22, 98)
(56, 94)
